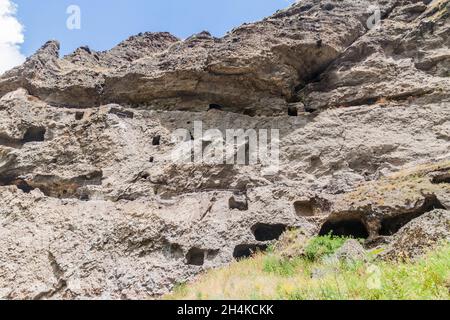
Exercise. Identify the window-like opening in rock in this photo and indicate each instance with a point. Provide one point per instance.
(175, 251)
(442, 178)
(84, 197)
(249, 112)
(212, 254)
(122, 113)
(195, 257)
(34, 134)
(309, 109)
(152, 159)
(22, 185)
(305, 208)
(292, 111)
(238, 202)
(268, 232)
(214, 106)
(392, 225)
(9, 142)
(247, 250)
(354, 228)
(79, 115)
(328, 6)
(156, 140)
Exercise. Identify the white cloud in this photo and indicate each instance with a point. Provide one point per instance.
(11, 36)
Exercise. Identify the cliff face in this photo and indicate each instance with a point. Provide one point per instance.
(93, 205)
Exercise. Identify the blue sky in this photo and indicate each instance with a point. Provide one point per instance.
(104, 23)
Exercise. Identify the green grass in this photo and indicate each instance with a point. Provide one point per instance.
(322, 246)
(269, 276)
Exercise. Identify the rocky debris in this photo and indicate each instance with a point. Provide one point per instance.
(384, 206)
(419, 236)
(351, 251)
(292, 244)
(93, 205)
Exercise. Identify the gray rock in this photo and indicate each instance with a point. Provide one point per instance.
(85, 214)
(351, 251)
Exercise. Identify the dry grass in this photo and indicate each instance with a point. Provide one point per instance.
(268, 276)
(405, 186)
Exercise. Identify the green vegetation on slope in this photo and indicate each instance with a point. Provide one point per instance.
(316, 276)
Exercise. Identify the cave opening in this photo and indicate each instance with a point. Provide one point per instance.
(195, 257)
(442, 178)
(23, 185)
(156, 140)
(268, 232)
(238, 202)
(18, 182)
(175, 251)
(79, 115)
(304, 208)
(34, 134)
(243, 251)
(354, 228)
(249, 112)
(292, 111)
(215, 106)
(391, 225)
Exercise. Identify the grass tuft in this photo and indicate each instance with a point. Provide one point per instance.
(269, 276)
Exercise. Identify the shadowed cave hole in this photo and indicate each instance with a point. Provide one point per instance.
(305, 208)
(354, 228)
(249, 112)
(215, 106)
(195, 257)
(392, 225)
(34, 134)
(442, 178)
(79, 115)
(175, 251)
(243, 251)
(292, 111)
(156, 140)
(22, 185)
(18, 182)
(238, 202)
(268, 232)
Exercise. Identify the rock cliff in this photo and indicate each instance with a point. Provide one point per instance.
(92, 204)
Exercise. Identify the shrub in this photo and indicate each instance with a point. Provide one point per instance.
(322, 246)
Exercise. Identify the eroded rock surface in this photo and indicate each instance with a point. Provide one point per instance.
(92, 204)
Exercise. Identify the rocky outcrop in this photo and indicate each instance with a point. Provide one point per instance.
(420, 236)
(92, 203)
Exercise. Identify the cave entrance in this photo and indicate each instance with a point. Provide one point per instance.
(392, 225)
(354, 228)
(79, 115)
(22, 185)
(304, 208)
(195, 257)
(249, 112)
(442, 178)
(243, 251)
(215, 106)
(268, 232)
(292, 111)
(34, 134)
(18, 182)
(156, 140)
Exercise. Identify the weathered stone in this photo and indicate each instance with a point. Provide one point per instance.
(92, 204)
